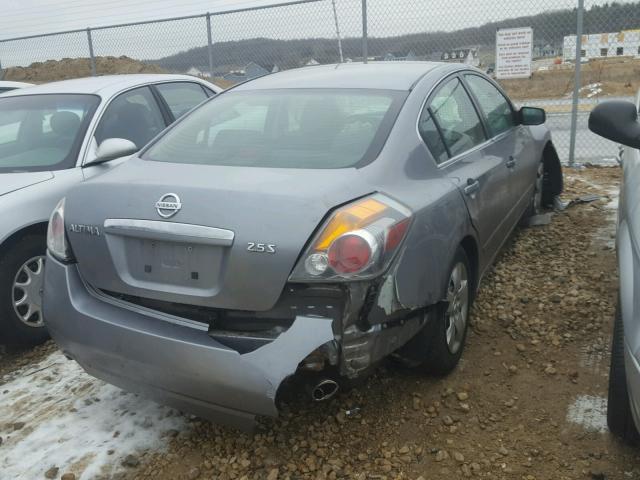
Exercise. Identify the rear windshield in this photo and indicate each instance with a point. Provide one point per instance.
(293, 128)
(43, 132)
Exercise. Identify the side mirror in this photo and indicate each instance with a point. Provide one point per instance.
(616, 120)
(532, 116)
(113, 148)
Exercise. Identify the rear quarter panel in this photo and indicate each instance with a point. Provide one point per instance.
(439, 225)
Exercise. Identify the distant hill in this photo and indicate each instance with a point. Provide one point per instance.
(550, 27)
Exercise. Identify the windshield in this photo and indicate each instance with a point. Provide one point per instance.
(293, 128)
(43, 132)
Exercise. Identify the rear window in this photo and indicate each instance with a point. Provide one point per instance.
(181, 96)
(294, 128)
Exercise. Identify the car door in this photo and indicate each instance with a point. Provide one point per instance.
(453, 130)
(134, 115)
(508, 141)
(180, 97)
(628, 239)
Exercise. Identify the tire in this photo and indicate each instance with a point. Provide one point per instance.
(619, 416)
(434, 349)
(22, 325)
(536, 205)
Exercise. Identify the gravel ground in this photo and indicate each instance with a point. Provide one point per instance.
(528, 400)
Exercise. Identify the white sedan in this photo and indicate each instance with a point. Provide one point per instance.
(6, 86)
(57, 135)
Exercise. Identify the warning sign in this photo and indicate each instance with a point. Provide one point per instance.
(514, 48)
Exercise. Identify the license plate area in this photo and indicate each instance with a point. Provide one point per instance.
(173, 266)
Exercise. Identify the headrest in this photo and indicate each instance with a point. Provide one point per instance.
(65, 123)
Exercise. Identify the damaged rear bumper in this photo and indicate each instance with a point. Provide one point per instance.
(174, 362)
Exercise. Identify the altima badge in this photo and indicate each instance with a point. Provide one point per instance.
(168, 205)
(88, 229)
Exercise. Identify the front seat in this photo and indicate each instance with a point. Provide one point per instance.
(65, 124)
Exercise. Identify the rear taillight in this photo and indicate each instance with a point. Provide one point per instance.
(358, 241)
(352, 252)
(56, 236)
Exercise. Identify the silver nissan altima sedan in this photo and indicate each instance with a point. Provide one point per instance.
(52, 137)
(305, 225)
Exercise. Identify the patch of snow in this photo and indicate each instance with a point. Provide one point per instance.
(594, 92)
(613, 194)
(607, 234)
(74, 422)
(590, 412)
(593, 89)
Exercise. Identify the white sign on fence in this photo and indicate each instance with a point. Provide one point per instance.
(514, 48)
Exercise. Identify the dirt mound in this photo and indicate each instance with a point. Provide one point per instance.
(53, 70)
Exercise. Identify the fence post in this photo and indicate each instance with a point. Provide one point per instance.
(92, 57)
(335, 17)
(576, 84)
(209, 45)
(365, 39)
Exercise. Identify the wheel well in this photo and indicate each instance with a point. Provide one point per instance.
(470, 247)
(35, 229)
(553, 184)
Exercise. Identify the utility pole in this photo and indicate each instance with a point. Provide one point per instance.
(335, 17)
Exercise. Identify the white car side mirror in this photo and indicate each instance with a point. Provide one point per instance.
(113, 148)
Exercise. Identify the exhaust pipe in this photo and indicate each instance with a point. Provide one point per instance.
(324, 390)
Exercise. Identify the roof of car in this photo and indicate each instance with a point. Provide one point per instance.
(7, 84)
(374, 75)
(104, 85)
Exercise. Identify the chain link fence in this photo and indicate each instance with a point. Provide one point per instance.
(234, 46)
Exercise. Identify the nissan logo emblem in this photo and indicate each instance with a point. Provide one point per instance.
(168, 205)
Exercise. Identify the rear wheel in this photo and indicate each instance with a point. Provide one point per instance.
(21, 282)
(437, 348)
(619, 416)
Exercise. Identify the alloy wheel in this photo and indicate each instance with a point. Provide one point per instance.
(457, 311)
(27, 292)
(537, 194)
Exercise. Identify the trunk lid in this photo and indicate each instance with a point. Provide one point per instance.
(201, 255)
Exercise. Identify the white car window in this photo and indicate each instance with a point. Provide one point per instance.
(134, 116)
(181, 96)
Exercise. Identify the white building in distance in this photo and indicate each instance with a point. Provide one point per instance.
(601, 45)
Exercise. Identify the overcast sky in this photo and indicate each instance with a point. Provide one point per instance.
(26, 17)
(386, 17)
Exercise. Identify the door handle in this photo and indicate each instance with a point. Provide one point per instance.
(511, 162)
(472, 186)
